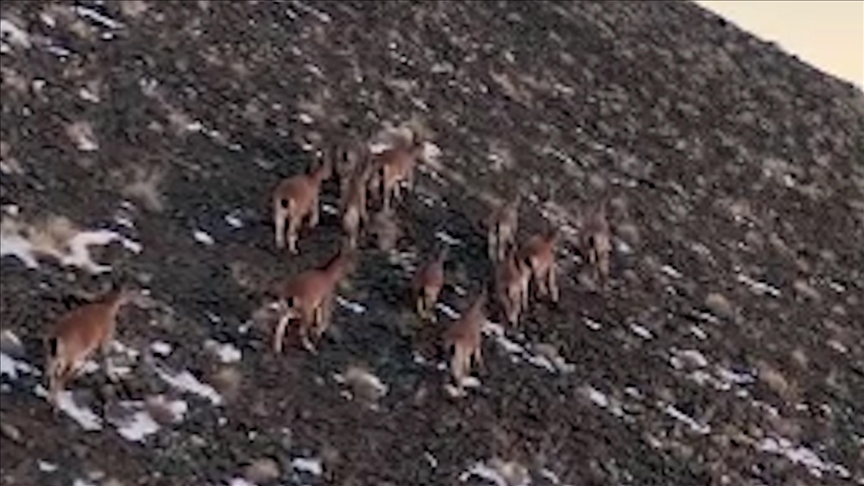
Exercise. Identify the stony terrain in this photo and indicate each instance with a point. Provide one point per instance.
(727, 351)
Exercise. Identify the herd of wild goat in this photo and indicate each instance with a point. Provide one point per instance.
(307, 297)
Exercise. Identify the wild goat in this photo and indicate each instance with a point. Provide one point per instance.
(395, 166)
(511, 281)
(353, 204)
(348, 158)
(596, 242)
(539, 254)
(502, 227)
(427, 285)
(294, 199)
(465, 337)
(307, 296)
(78, 334)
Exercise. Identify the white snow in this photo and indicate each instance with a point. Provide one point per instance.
(97, 17)
(10, 366)
(240, 482)
(641, 331)
(186, 381)
(139, 423)
(760, 288)
(592, 324)
(599, 398)
(433, 462)
(202, 237)
(329, 209)
(694, 356)
(447, 238)
(14, 34)
(161, 348)
(448, 311)
(486, 472)
(233, 221)
(45, 466)
(86, 418)
(683, 417)
(698, 332)
(354, 307)
(86, 95)
(671, 271)
(801, 455)
(309, 465)
(519, 352)
(226, 352)
(138, 426)
(78, 253)
(550, 476)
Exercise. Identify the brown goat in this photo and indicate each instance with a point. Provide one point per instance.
(596, 242)
(511, 280)
(539, 254)
(348, 158)
(294, 199)
(502, 227)
(465, 337)
(395, 166)
(353, 205)
(306, 298)
(427, 285)
(77, 336)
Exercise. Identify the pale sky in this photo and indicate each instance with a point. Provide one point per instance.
(824, 33)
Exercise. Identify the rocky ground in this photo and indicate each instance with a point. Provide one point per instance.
(727, 351)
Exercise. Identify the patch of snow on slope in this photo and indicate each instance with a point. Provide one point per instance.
(186, 381)
(84, 416)
(354, 307)
(801, 455)
(10, 366)
(310, 465)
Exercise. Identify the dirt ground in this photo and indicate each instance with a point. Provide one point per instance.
(727, 351)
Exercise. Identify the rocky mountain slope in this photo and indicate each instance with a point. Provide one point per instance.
(728, 349)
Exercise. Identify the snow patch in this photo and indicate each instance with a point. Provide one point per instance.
(137, 423)
(186, 381)
(47, 467)
(592, 324)
(330, 209)
(202, 237)
(683, 417)
(97, 17)
(14, 34)
(161, 348)
(75, 252)
(519, 352)
(226, 352)
(354, 307)
(84, 416)
(447, 238)
(490, 473)
(311, 465)
(671, 271)
(448, 311)
(233, 221)
(801, 455)
(138, 426)
(759, 288)
(10, 366)
(641, 331)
